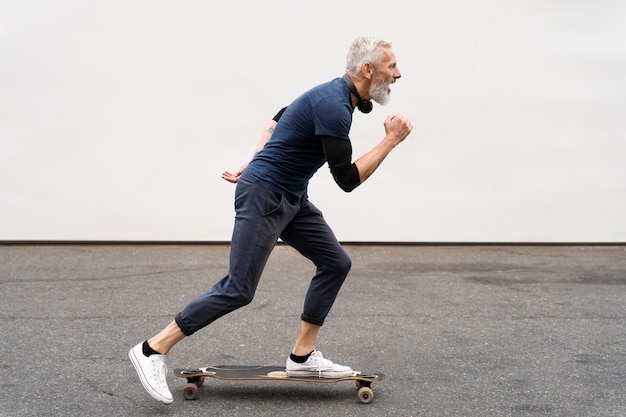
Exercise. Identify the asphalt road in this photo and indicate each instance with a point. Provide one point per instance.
(458, 330)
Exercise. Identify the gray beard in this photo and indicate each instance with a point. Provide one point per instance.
(379, 94)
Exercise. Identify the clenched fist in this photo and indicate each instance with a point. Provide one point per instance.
(397, 128)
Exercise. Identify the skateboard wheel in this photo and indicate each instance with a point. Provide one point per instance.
(190, 392)
(366, 395)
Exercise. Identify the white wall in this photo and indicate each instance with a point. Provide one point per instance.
(117, 117)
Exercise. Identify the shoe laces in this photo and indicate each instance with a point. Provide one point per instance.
(319, 358)
(160, 370)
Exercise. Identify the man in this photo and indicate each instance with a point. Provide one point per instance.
(271, 202)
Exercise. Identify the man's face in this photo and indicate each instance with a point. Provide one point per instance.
(386, 74)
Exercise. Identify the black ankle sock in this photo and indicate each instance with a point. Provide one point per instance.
(147, 350)
(299, 359)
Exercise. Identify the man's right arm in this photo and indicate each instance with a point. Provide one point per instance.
(347, 174)
(397, 128)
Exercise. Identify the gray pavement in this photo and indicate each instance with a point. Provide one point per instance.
(459, 330)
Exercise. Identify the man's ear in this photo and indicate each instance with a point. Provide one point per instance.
(367, 70)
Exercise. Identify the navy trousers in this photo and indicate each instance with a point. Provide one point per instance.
(261, 217)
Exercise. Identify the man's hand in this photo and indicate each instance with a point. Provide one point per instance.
(234, 177)
(265, 137)
(397, 128)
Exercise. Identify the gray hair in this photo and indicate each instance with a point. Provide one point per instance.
(365, 49)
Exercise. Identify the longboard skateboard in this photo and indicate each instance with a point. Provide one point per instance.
(195, 378)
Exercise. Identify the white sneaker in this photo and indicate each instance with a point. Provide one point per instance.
(151, 371)
(318, 366)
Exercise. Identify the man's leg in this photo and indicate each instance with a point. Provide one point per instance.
(309, 233)
(165, 340)
(307, 338)
(261, 215)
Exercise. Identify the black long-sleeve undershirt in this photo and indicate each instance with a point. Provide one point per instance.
(339, 156)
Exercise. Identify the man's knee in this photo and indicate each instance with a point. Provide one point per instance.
(346, 263)
(245, 300)
(341, 264)
(233, 294)
(242, 298)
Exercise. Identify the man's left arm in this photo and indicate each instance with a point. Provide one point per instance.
(265, 137)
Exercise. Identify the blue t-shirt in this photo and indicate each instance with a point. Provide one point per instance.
(295, 152)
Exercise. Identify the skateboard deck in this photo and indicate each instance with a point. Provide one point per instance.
(195, 378)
